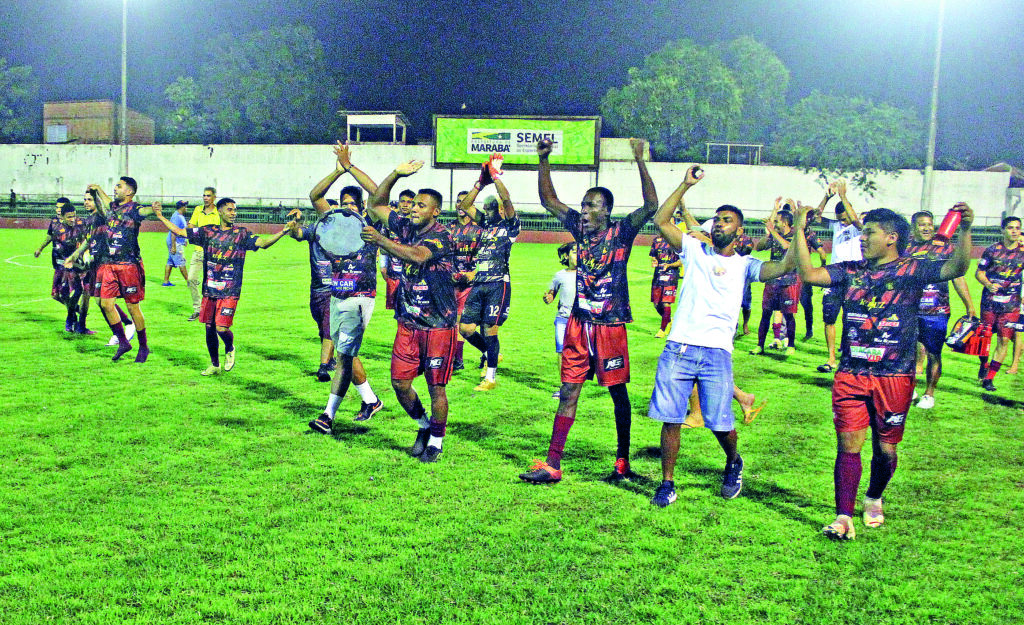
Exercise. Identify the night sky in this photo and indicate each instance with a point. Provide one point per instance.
(425, 57)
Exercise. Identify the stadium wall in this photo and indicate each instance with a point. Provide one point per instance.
(282, 175)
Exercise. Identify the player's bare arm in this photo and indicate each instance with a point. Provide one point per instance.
(70, 261)
(830, 191)
(549, 296)
(100, 198)
(377, 206)
(46, 241)
(643, 214)
(319, 191)
(158, 211)
(264, 242)
(548, 198)
(958, 263)
(852, 214)
(418, 254)
(663, 217)
(799, 252)
(508, 211)
(344, 154)
(960, 286)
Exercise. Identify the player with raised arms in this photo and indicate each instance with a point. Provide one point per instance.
(595, 336)
(664, 281)
(881, 295)
(425, 306)
(67, 289)
(224, 249)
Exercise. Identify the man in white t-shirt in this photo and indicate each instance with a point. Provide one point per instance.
(563, 286)
(699, 351)
(846, 229)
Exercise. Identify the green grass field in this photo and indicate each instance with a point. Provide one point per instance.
(149, 494)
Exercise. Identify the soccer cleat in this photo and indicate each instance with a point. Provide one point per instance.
(418, 447)
(660, 334)
(790, 351)
(430, 454)
(840, 529)
(486, 385)
(927, 402)
(79, 328)
(211, 370)
(323, 374)
(121, 351)
(621, 471)
(113, 341)
(167, 284)
(368, 410)
(129, 331)
(664, 494)
(757, 351)
(229, 360)
(873, 516)
(193, 316)
(987, 385)
(322, 424)
(541, 473)
(732, 479)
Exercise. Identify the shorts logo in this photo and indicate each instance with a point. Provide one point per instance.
(131, 289)
(895, 418)
(435, 363)
(611, 364)
(227, 312)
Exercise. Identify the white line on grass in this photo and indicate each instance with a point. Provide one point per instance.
(28, 301)
(13, 262)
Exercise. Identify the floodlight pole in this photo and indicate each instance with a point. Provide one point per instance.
(124, 87)
(929, 167)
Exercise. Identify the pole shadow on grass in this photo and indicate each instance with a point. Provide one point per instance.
(997, 400)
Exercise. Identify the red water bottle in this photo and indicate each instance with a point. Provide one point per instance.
(949, 224)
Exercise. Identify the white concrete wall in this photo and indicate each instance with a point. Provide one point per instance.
(271, 174)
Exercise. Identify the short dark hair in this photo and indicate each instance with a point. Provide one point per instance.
(787, 217)
(332, 202)
(731, 209)
(408, 193)
(434, 194)
(461, 194)
(1008, 219)
(62, 200)
(210, 189)
(928, 214)
(128, 180)
(609, 199)
(840, 208)
(563, 252)
(355, 192)
(68, 207)
(224, 200)
(892, 223)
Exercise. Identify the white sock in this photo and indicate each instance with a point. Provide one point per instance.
(423, 422)
(435, 441)
(489, 376)
(332, 404)
(366, 392)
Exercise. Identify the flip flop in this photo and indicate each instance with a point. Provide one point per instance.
(825, 368)
(750, 415)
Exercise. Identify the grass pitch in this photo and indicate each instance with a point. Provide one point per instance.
(148, 494)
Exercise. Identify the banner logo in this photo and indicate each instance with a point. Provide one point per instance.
(487, 141)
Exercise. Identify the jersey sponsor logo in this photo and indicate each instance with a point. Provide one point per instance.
(227, 311)
(616, 362)
(870, 354)
(435, 363)
(895, 418)
(131, 289)
(719, 270)
(891, 321)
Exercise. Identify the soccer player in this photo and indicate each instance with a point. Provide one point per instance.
(69, 232)
(664, 281)
(224, 249)
(873, 386)
(391, 267)
(121, 274)
(487, 306)
(55, 222)
(845, 247)
(563, 286)
(176, 245)
(782, 293)
(999, 272)
(205, 215)
(466, 238)
(424, 305)
(699, 351)
(595, 337)
(351, 283)
(933, 312)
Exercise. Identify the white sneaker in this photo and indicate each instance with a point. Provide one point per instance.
(113, 342)
(927, 402)
(129, 331)
(914, 398)
(229, 360)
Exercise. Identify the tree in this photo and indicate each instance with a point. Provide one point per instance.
(18, 104)
(763, 80)
(849, 136)
(683, 96)
(265, 87)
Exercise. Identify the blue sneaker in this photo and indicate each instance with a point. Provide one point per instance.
(665, 494)
(732, 479)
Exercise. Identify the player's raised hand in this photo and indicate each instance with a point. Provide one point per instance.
(158, 209)
(830, 190)
(802, 210)
(344, 154)
(295, 215)
(966, 214)
(841, 187)
(544, 147)
(408, 169)
(371, 235)
(637, 146)
(694, 175)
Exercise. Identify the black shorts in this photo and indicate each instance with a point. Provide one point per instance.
(831, 304)
(931, 332)
(488, 304)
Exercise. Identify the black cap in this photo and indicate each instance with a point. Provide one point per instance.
(182, 203)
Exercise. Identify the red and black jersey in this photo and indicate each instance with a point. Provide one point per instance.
(777, 253)
(67, 238)
(223, 258)
(54, 222)
(880, 307)
(934, 296)
(662, 252)
(425, 298)
(493, 252)
(1002, 266)
(744, 245)
(355, 275)
(97, 239)
(602, 286)
(466, 239)
(122, 235)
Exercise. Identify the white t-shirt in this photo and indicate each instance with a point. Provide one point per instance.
(845, 242)
(710, 293)
(564, 284)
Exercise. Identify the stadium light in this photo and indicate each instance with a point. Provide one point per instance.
(928, 183)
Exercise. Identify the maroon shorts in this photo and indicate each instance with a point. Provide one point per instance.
(389, 295)
(461, 295)
(1002, 324)
(121, 281)
(591, 350)
(65, 283)
(782, 298)
(663, 294)
(320, 308)
(220, 311)
(881, 402)
(429, 352)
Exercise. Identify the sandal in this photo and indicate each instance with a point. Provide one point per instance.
(750, 415)
(840, 529)
(825, 368)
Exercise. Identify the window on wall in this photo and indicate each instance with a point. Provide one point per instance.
(57, 133)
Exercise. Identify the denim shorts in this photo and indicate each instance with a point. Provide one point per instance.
(679, 367)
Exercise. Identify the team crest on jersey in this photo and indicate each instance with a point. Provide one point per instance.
(611, 364)
(895, 418)
(892, 321)
(435, 363)
(719, 270)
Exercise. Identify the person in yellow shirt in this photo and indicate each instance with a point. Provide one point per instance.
(204, 215)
